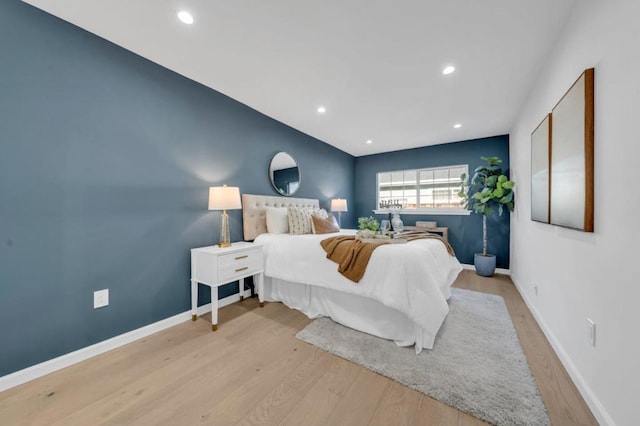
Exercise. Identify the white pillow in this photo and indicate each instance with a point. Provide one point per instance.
(277, 220)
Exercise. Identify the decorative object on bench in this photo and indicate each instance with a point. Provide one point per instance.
(396, 222)
(489, 188)
(367, 227)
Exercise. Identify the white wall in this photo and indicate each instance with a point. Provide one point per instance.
(583, 275)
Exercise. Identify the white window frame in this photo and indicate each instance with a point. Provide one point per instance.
(421, 211)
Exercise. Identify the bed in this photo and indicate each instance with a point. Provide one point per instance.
(401, 297)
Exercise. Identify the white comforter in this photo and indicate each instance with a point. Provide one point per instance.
(413, 278)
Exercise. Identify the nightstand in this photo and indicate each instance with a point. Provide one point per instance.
(215, 266)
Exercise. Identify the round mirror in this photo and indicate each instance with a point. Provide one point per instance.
(284, 174)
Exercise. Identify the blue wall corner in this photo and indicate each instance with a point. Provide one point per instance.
(465, 232)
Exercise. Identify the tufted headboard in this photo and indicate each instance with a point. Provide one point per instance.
(254, 220)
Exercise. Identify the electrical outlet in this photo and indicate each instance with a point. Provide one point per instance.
(535, 290)
(100, 298)
(591, 330)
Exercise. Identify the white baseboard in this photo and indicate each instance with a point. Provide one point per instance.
(598, 410)
(30, 373)
(498, 270)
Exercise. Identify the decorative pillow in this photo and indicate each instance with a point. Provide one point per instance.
(300, 218)
(277, 220)
(321, 212)
(324, 226)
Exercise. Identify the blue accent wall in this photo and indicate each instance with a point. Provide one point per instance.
(465, 232)
(105, 161)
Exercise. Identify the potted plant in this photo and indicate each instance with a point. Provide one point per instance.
(367, 227)
(489, 189)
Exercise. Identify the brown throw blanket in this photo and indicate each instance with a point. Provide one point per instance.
(352, 255)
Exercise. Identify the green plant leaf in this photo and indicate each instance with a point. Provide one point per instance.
(492, 160)
(488, 188)
(368, 223)
(507, 197)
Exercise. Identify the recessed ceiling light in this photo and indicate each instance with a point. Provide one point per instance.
(369, 141)
(457, 126)
(448, 69)
(321, 110)
(185, 17)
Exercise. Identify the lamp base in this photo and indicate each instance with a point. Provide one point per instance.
(225, 241)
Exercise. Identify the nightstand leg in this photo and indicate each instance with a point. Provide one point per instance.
(194, 300)
(260, 278)
(214, 308)
(241, 288)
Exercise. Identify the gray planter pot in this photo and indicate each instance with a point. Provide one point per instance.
(485, 265)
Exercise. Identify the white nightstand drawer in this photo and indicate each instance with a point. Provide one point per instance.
(240, 264)
(232, 272)
(231, 260)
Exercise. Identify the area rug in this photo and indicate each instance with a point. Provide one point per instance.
(477, 364)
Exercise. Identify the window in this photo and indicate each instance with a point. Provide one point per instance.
(422, 191)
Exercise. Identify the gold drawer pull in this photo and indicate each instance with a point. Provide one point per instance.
(242, 269)
(242, 257)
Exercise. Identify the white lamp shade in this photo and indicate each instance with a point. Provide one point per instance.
(339, 205)
(224, 198)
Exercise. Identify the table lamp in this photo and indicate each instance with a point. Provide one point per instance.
(224, 198)
(339, 205)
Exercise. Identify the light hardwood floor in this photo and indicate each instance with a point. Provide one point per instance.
(254, 371)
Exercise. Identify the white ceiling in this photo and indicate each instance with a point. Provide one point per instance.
(374, 64)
